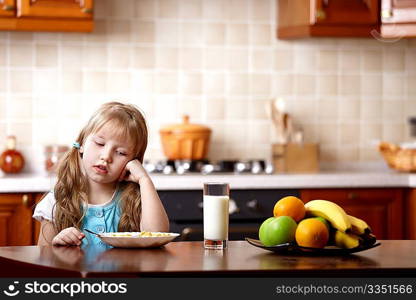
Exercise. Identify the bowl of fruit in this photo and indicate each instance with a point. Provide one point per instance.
(318, 227)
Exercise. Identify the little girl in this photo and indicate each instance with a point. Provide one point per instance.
(102, 185)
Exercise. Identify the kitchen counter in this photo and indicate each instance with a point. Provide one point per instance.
(393, 258)
(327, 179)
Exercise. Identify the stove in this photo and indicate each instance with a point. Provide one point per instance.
(206, 167)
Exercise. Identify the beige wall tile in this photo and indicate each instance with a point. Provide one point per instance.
(237, 84)
(119, 57)
(45, 107)
(99, 34)
(261, 60)
(20, 108)
(23, 133)
(305, 84)
(71, 57)
(167, 58)
(214, 9)
(45, 81)
(328, 134)
(166, 83)
(347, 154)
(21, 55)
(237, 10)
(411, 85)
(257, 108)
(167, 32)
(392, 132)
(16, 79)
(190, 9)
(19, 36)
(371, 84)
(410, 60)
(370, 132)
(143, 31)
(349, 109)
(327, 60)
(191, 33)
(190, 58)
(94, 82)
(372, 60)
(327, 110)
(214, 33)
(350, 60)
(259, 133)
(119, 31)
(3, 132)
(146, 9)
(215, 108)
(3, 108)
(327, 85)
(260, 10)
(143, 83)
(190, 83)
(260, 84)
(3, 81)
(46, 56)
(304, 111)
(370, 110)
(349, 85)
(283, 84)
(166, 108)
(305, 61)
(283, 60)
(260, 35)
(394, 60)
(393, 110)
(118, 82)
(94, 57)
(238, 59)
(214, 83)
(190, 107)
(214, 59)
(144, 57)
(237, 34)
(370, 154)
(393, 85)
(126, 10)
(349, 134)
(168, 8)
(3, 55)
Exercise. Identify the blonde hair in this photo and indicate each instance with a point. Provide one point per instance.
(71, 189)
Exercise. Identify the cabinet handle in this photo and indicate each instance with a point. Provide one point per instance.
(352, 196)
(386, 14)
(320, 14)
(25, 200)
(87, 10)
(9, 7)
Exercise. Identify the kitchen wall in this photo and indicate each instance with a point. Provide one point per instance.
(218, 61)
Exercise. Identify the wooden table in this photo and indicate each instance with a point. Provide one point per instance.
(394, 258)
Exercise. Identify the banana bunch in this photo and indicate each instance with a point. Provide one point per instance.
(348, 231)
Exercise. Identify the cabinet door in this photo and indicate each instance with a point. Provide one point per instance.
(338, 12)
(55, 8)
(7, 8)
(16, 220)
(382, 209)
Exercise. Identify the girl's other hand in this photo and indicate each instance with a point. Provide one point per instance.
(68, 237)
(133, 171)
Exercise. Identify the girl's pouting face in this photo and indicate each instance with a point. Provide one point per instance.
(105, 154)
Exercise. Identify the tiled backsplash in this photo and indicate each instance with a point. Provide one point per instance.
(218, 61)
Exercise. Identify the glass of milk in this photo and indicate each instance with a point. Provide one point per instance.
(215, 204)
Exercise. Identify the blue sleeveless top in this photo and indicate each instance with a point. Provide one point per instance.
(101, 219)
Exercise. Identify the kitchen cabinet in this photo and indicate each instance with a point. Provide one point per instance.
(47, 15)
(382, 209)
(17, 227)
(410, 214)
(398, 18)
(327, 18)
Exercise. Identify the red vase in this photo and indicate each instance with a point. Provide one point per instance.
(11, 160)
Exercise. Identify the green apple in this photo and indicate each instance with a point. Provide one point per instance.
(277, 230)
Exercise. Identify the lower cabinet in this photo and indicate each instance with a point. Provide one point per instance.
(382, 209)
(17, 227)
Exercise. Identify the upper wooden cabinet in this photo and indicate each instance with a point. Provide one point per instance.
(398, 18)
(327, 18)
(47, 15)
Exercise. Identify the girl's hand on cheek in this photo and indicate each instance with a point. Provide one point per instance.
(133, 171)
(68, 237)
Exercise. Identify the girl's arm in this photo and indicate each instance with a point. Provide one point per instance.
(67, 237)
(46, 233)
(154, 217)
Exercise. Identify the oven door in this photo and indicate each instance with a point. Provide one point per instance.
(195, 231)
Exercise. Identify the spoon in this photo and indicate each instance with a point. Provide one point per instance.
(90, 231)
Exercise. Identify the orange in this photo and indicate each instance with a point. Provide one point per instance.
(312, 233)
(290, 206)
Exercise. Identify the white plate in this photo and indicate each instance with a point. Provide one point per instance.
(137, 239)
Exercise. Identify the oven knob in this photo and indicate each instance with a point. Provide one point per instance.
(253, 205)
(232, 207)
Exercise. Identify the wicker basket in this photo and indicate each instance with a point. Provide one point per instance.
(398, 158)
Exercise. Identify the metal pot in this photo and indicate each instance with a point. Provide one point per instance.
(185, 140)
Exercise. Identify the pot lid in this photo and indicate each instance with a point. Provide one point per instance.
(185, 126)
